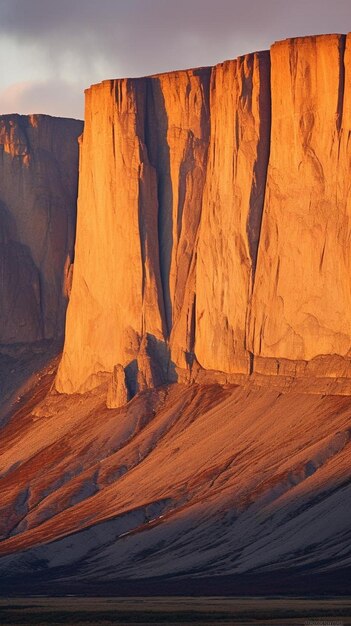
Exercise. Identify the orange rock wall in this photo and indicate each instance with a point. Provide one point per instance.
(142, 173)
(302, 298)
(232, 210)
(213, 220)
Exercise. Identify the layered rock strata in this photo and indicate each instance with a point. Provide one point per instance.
(38, 193)
(214, 222)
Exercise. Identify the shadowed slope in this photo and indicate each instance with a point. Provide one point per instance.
(194, 481)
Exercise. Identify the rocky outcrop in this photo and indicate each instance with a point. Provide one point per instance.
(117, 393)
(214, 221)
(38, 191)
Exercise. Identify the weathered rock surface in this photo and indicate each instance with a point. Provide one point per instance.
(302, 297)
(117, 394)
(38, 192)
(232, 210)
(178, 173)
(142, 174)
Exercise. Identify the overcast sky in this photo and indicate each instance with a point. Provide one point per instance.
(51, 50)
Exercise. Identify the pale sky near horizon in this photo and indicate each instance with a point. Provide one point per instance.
(51, 50)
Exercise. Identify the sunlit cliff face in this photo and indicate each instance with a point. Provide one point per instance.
(214, 221)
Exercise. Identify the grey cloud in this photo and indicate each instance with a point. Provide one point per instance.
(111, 38)
(138, 34)
(51, 97)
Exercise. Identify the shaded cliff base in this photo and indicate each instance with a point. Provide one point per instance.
(324, 374)
(328, 374)
(25, 368)
(198, 488)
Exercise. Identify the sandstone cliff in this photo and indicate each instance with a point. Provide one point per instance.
(302, 298)
(38, 191)
(232, 211)
(213, 244)
(214, 223)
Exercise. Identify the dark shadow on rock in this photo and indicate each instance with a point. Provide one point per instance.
(155, 136)
(258, 190)
(151, 368)
(131, 372)
(21, 366)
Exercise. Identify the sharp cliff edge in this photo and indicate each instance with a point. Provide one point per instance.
(213, 234)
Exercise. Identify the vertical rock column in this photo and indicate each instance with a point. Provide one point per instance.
(142, 173)
(116, 294)
(302, 298)
(178, 127)
(232, 210)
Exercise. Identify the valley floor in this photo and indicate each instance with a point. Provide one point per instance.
(41, 611)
